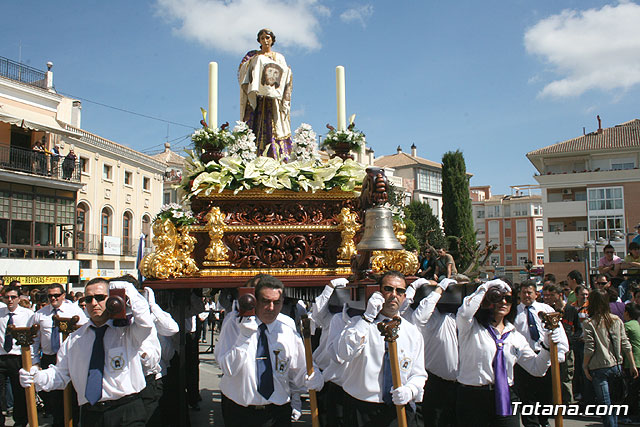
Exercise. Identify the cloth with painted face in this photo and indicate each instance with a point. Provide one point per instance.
(265, 101)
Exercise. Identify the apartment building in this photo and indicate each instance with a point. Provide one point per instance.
(421, 178)
(590, 186)
(514, 222)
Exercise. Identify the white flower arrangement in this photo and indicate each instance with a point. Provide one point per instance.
(244, 145)
(176, 214)
(304, 147)
(231, 173)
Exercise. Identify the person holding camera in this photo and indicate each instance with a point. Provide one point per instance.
(102, 360)
(490, 348)
(48, 340)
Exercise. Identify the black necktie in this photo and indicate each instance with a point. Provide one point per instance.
(533, 327)
(55, 335)
(264, 370)
(93, 390)
(8, 339)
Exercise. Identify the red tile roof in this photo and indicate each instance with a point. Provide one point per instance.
(625, 135)
(404, 159)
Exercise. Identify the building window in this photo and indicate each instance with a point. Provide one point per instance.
(601, 199)
(508, 259)
(105, 222)
(480, 213)
(521, 226)
(430, 181)
(167, 197)
(146, 230)
(84, 164)
(82, 218)
(522, 244)
(507, 241)
(126, 233)
(522, 260)
(604, 226)
(146, 183)
(107, 171)
(128, 178)
(494, 229)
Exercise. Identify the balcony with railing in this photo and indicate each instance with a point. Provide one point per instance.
(39, 163)
(22, 73)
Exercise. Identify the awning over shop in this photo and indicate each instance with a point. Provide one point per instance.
(32, 120)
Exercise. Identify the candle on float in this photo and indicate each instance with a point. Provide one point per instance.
(213, 95)
(340, 98)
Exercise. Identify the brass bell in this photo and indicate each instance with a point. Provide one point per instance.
(378, 231)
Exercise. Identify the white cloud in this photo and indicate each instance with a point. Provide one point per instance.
(357, 14)
(591, 49)
(232, 25)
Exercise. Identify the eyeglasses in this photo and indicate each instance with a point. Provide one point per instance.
(399, 291)
(99, 298)
(609, 252)
(56, 296)
(10, 297)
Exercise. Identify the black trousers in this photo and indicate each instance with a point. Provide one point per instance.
(9, 367)
(331, 405)
(54, 400)
(150, 396)
(439, 402)
(530, 390)
(235, 415)
(125, 412)
(192, 360)
(171, 396)
(358, 413)
(477, 408)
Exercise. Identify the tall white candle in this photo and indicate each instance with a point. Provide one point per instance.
(340, 98)
(213, 95)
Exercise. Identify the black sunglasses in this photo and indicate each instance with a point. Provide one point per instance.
(99, 298)
(56, 296)
(399, 291)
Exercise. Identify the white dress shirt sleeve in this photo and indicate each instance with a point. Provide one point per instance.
(535, 364)
(57, 376)
(233, 360)
(353, 338)
(150, 353)
(163, 321)
(469, 307)
(320, 314)
(425, 309)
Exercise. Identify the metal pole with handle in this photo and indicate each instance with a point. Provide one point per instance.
(551, 322)
(24, 338)
(313, 401)
(67, 326)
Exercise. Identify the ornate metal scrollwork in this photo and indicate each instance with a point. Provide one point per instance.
(217, 250)
(173, 254)
(403, 261)
(349, 226)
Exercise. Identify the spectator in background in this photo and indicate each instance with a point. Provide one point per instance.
(445, 265)
(610, 264)
(428, 264)
(636, 238)
(574, 279)
(549, 278)
(632, 329)
(632, 264)
(69, 164)
(55, 159)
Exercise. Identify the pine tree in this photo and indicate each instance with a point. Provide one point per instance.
(456, 209)
(427, 228)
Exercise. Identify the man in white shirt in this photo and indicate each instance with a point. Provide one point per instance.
(370, 398)
(102, 361)
(10, 353)
(49, 339)
(532, 389)
(265, 365)
(441, 355)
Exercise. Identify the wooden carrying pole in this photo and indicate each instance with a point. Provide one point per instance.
(551, 322)
(24, 338)
(389, 330)
(67, 326)
(313, 401)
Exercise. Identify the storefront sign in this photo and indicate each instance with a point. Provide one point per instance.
(110, 245)
(35, 280)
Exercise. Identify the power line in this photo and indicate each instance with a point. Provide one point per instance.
(126, 111)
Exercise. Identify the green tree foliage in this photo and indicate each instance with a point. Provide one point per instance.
(412, 242)
(426, 225)
(456, 209)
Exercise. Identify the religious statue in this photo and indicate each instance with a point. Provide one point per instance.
(265, 97)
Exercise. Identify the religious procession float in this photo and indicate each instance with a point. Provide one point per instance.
(260, 198)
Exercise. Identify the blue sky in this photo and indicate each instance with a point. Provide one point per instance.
(495, 79)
